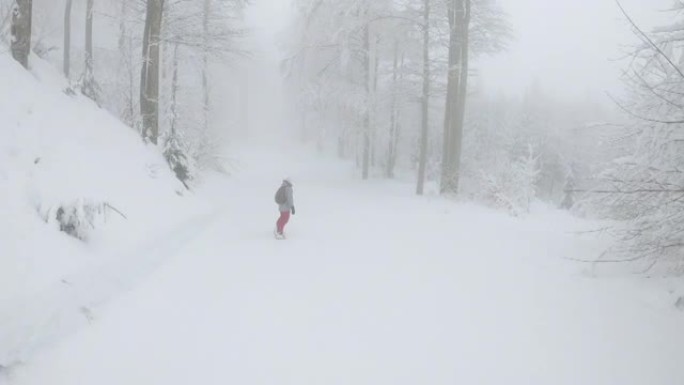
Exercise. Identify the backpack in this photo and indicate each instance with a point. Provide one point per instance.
(281, 195)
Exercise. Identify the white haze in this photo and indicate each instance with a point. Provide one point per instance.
(127, 261)
(570, 48)
(268, 20)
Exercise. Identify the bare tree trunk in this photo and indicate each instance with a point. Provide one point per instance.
(391, 151)
(205, 64)
(67, 38)
(304, 134)
(89, 76)
(462, 95)
(21, 31)
(245, 104)
(149, 101)
(452, 83)
(174, 92)
(127, 68)
(459, 21)
(374, 91)
(425, 102)
(397, 129)
(366, 113)
(145, 61)
(341, 144)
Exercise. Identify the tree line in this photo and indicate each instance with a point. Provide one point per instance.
(362, 69)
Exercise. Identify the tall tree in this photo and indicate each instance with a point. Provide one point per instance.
(21, 31)
(174, 93)
(149, 84)
(425, 100)
(457, 87)
(394, 119)
(205, 63)
(127, 65)
(89, 88)
(366, 60)
(67, 38)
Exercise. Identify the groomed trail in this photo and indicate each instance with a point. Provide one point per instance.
(374, 286)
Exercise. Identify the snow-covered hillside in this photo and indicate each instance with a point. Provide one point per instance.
(58, 149)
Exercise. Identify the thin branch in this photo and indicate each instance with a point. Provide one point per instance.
(116, 210)
(648, 39)
(632, 114)
(626, 260)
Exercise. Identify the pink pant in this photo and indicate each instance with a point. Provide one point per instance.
(282, 221)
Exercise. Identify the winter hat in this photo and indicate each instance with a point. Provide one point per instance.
(288, 180)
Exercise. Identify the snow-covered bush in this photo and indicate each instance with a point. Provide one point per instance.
(516, 151)
(512, 189)
(80, 218)
(645, 192)
(501, 167)
(177, 159)
(569, 191)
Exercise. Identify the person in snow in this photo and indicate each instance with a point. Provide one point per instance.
(285, 200)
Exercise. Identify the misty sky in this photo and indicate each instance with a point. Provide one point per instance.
(569, 48)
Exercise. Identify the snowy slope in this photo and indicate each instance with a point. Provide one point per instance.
(374, 286)
(57, 149)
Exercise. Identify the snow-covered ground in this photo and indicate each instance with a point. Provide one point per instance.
(373, 286)
(58, 149)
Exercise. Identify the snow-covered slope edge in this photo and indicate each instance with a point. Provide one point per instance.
(57, 150)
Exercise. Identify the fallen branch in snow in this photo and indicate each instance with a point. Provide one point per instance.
(107, 205)
(633, 259)
(680, 303)
(80, 217)
(601, 230)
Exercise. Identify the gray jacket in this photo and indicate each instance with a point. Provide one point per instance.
(289, 204)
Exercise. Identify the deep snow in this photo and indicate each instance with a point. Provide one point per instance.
(374, 286)
(57, 148)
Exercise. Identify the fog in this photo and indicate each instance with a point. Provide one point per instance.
(571, 48)
(366, 192)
